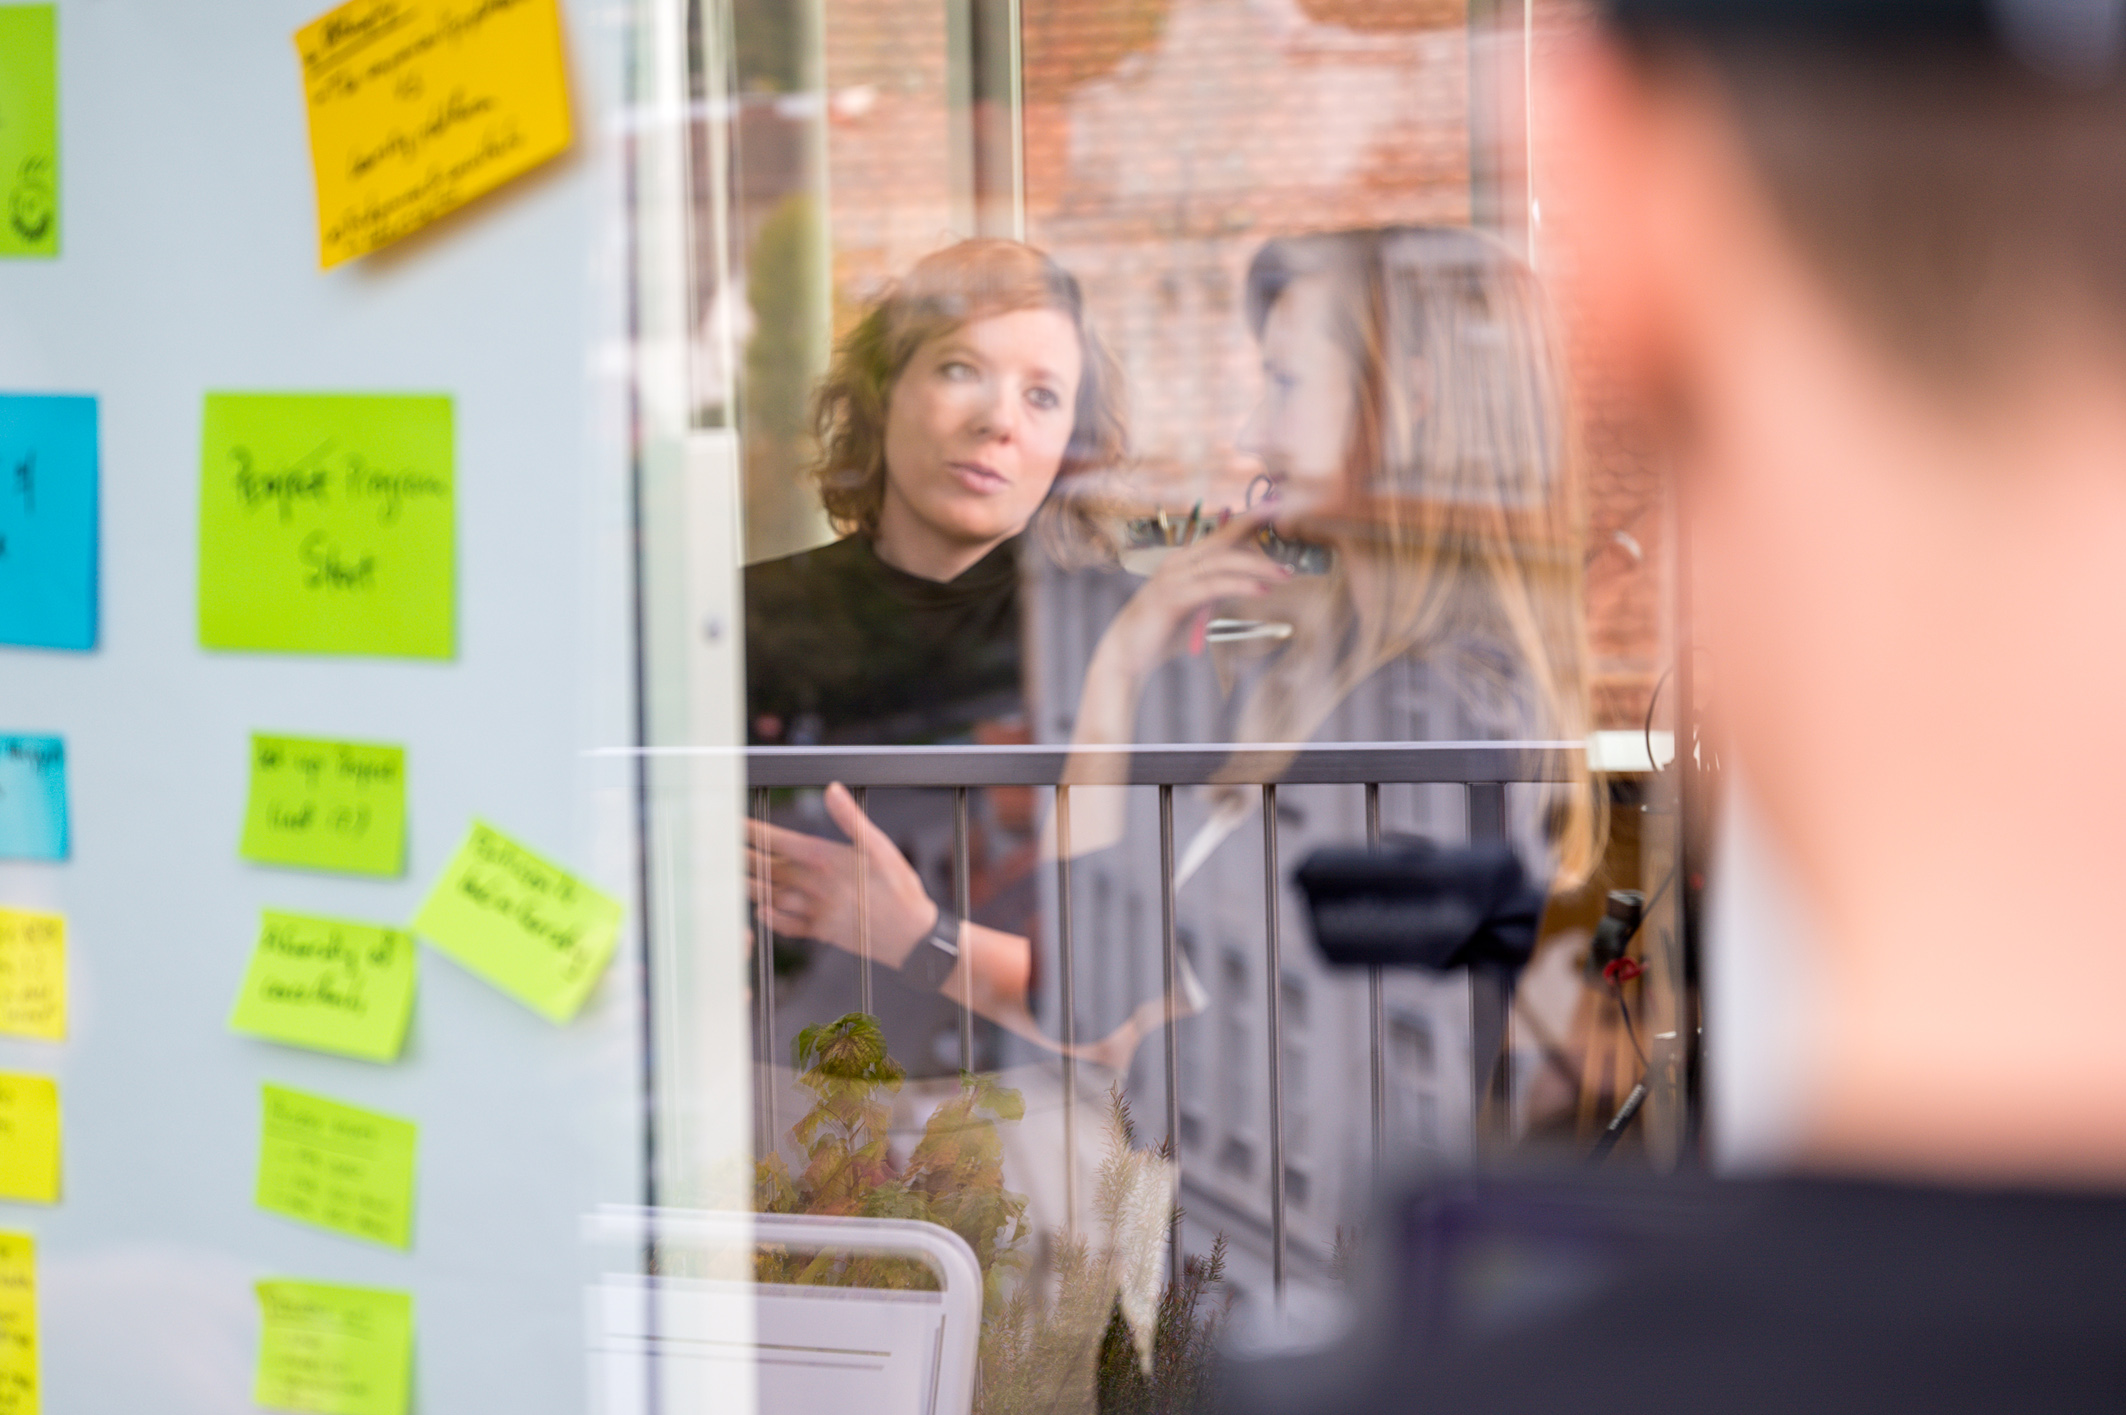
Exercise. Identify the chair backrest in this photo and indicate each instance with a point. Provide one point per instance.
(678, 1326)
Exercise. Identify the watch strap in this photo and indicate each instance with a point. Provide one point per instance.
(932, 960)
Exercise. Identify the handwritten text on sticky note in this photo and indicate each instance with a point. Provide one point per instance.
(523, 923)
(334, 1350)
(328, 985)
(337, 1166)
(326, 524)
(29, 1138)
(419, 106)
(32, 798)
(32, 975)
(326, 805)
(47, 516)
(29, 130)
(18, 1324)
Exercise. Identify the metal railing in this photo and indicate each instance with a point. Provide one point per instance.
(1483, 769)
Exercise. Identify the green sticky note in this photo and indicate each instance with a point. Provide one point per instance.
(334, 1350)
(29, 129)
(328, 985)
(337, 1166)
(523, 923)
(326, 805)
(326, 524)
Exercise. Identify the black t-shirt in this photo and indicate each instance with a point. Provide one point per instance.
(842, 649)
(1798, 1295)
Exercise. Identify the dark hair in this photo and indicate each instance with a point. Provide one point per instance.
(1958, 185)
(950, 288)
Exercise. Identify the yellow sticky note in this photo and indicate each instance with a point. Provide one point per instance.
(327, 524)
(419, 106)
(522, 922)
(334, 1350)
(337, 1166)
(329, 985)
(32, 977)
(326, 805)
(18, 1324)
(29, 1138)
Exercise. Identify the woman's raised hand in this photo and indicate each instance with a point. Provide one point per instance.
(1225, 565)
(808, 887)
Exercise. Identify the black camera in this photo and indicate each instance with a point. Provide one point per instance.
(1414, 904)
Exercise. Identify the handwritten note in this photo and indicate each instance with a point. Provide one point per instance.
(326, 524)
(523, 923)
(29, 130)
(337, 1166)
(18, 1324)
(328, 985)
(32, 798)
(419, 106)
(334, 1350)
(32, 977)
(29, 1138)
(47, 513)
(326, 805)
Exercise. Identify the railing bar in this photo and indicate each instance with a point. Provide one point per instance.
(1067, 965)
(1276, 1014)
(1376, 1018)
(863, 910)
(963, 905)
(765, 1121)
(1345, 763)
(1169, 957)
(1490, 996)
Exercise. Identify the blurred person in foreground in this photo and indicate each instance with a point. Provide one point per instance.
(1862, 268)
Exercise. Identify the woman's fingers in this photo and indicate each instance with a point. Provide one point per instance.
(784, 849)
(1241, 526)
(844, 812)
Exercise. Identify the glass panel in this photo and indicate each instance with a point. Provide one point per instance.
(1026, 960)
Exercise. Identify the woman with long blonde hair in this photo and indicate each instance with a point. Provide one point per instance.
(1414, 426)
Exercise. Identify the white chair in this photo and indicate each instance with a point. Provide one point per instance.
(697, 1336)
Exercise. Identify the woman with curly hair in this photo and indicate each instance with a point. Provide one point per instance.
(969, 398)
(969, 403)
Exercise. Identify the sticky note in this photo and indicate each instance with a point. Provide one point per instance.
(328, 985)
(326, 524)
(334, 1350)
(32, 978)
(418, 106)
(32, 798)
(523, 923)
(47, 515)
(29, 129)
(18, 1324)
(29, 1138)
(326, 805)
(337, 1166)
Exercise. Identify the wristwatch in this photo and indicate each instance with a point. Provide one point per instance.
(932, 960)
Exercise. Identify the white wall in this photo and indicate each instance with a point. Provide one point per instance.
(189, 264)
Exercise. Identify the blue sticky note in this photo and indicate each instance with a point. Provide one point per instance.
(32, 798)
(47, 521)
